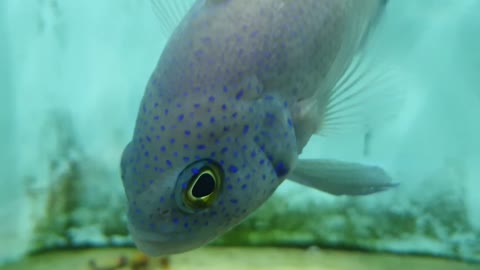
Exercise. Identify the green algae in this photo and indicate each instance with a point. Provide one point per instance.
(353, 224)
(73, 209)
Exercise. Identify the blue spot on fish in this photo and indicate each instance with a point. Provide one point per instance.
(233, 169)
(281, 169)
(199, 53)
(245, 129)
(239, 94)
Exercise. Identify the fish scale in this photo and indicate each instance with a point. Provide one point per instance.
(225, 111)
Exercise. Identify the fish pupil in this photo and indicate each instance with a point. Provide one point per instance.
(204, 186)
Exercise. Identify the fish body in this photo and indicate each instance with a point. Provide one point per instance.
(239, 89)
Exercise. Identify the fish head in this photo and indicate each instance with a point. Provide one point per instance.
(197, 167)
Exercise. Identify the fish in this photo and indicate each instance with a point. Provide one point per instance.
(240, 88)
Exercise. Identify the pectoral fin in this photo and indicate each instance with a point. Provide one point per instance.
(341, 178)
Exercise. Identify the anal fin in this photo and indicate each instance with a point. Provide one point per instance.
(341, 178)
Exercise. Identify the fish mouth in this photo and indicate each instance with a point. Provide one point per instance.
(156, 248)
(166, 243)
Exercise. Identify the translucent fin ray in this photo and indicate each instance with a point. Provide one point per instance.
(365, 88)
(170, 13)
(366, 95)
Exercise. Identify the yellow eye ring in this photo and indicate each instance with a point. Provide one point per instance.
(203, 186)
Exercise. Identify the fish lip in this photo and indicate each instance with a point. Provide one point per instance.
(160, 248)
(167, 246)
(165, 243)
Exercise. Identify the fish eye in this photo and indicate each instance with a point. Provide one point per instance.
(201, 183)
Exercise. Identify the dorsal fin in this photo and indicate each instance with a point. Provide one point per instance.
(170, 13)
(215, 1)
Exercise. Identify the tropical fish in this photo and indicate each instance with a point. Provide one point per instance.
(239, 89)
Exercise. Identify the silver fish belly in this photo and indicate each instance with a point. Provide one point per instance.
(237, 93)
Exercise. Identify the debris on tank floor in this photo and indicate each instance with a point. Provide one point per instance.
(233, 258)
